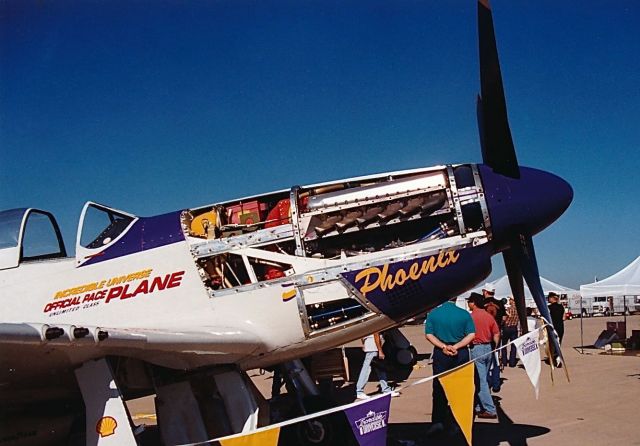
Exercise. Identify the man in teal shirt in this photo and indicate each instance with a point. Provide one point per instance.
(450, 329)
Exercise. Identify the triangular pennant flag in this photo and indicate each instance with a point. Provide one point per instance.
(459, 388)
(528, 348)
(262, 438)
(369, 421)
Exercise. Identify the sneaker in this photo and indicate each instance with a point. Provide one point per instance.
(362, 396)
(487, 415)
(394, 393)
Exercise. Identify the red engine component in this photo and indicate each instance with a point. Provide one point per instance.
(273, 272)
(279, 215)
(247, 213)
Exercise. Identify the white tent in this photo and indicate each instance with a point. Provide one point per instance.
(503, 290)
(625, 282)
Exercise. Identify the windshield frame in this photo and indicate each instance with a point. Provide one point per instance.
(13, 223)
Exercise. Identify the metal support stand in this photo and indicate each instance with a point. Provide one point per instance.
(178, 413)
(107, 419)
(319, 431)
(581, 330)
(624, 302)
(209, 405)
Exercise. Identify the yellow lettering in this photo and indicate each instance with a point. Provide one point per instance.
(401, 277)
(366, 274)
(142, 274)
(414, 272)
(433, 264)
(441, 261)
(76, 290)
(453, 256)
(385, 282)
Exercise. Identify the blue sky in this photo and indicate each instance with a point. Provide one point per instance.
(152, 106)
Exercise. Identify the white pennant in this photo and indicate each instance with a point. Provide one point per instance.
(528, 347)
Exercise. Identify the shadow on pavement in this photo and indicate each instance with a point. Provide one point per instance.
(414, 434)
(484, 433)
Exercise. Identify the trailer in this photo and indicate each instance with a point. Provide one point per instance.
(603, 305)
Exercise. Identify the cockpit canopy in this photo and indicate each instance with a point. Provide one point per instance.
(100, 227)
(28, 234)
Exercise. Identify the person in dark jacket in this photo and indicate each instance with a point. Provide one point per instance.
(557, 314)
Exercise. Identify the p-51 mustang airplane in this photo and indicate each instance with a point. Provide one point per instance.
(181, 304)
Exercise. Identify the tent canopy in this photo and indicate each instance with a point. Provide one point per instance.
(625, 282)
(503, 290)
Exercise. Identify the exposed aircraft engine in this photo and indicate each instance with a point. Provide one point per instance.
(333, 220)
(290, 231)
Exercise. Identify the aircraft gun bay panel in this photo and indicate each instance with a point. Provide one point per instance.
(329, 304)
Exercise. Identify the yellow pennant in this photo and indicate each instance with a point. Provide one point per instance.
(263, 438)
(459, 388)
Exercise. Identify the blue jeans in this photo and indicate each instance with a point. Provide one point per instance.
(494, 372)
(365, 371)
(485, 402)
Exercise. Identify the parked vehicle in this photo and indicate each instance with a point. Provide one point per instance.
(603, 305)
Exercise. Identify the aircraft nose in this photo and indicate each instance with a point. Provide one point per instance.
(529, 203)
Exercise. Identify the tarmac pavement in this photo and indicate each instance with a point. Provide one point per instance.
(599, 405)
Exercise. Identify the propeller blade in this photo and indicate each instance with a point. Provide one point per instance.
(527, 257)
(498, 151)
(514, 273)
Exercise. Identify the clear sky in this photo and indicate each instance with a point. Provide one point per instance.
(153, 106)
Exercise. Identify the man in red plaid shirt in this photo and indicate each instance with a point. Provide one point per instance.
(509, 333)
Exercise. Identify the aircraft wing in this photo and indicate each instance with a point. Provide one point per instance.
(218, 340)
(38, 355)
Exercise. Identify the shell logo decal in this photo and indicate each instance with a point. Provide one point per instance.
(106, 426)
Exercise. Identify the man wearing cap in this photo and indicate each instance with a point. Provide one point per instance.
(487, 331)
(556, 311)
(450, 329)
(496, 309)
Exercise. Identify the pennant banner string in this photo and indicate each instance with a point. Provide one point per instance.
(431, 378)
(346, 406)
(291, 421)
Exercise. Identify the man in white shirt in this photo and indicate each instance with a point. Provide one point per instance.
(372, 347)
